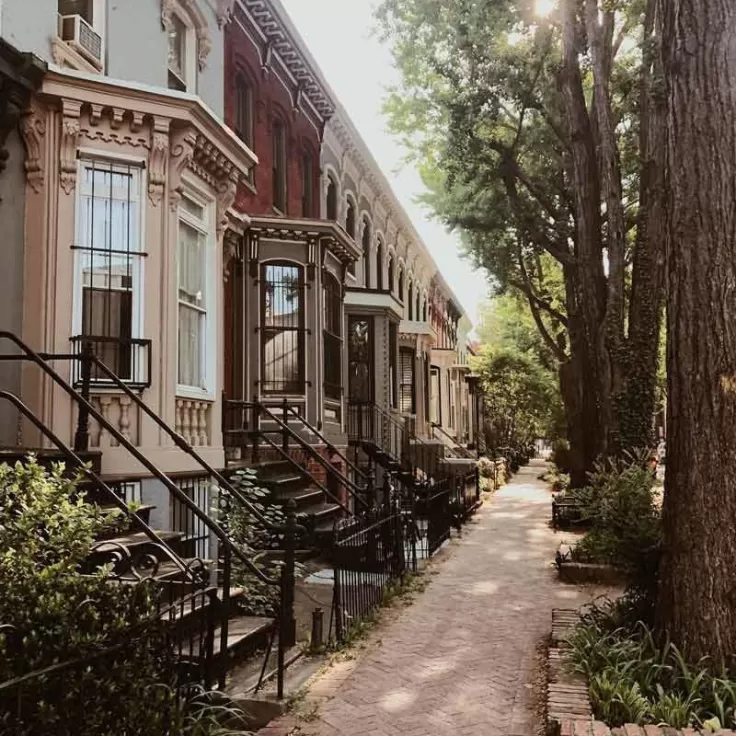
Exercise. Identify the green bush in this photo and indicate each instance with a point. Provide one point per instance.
(260, 544)
(486, 467)
(52, 613)
(634, 678)
(625, 521)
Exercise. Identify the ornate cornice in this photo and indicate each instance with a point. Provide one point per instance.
(199, 20)
(280, 40)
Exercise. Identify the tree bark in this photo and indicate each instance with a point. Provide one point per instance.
(647, 280)
(697, 599)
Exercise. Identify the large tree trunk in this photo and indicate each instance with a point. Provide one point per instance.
(697, 602)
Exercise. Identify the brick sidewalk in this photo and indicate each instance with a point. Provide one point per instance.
(462, 659)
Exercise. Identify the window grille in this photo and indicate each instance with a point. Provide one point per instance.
(282, 317)
(109, 266)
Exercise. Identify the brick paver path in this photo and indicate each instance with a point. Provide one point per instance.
(462, 658)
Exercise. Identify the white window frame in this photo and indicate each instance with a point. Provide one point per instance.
(209, 344)
(86, 158)
(190, 50)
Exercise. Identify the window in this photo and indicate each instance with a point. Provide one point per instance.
(366, 243)
(391, 274)
(85, 8)
(193, 296)
(178, 61)
(424, 311)
(282, 318)
(401, 284)
(360, 359)
(279, 166)
(307, 184)
(109, 266)
(417, 313)
(349, 225)
(379, 264)
(410, 303)
(244, 110)
(331, 199)
(406, 381)
(332, 302)
(392, 347)
(349, 218)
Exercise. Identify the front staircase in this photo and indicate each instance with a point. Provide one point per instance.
(199, 600)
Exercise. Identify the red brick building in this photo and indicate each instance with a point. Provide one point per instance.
(277, 106)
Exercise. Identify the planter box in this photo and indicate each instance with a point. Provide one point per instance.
(587, 572)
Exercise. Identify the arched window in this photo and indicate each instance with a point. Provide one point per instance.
(401, 284)
(417, 312)
(279, 165)
(379, 264)
(307, 183)
(391, 274)
(410, 302)
(424, 311)
(332, 333)
(366, 242)
(350, 219)
(331, 199)
(244, 109)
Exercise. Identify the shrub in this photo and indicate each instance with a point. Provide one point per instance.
(258, 542)
(486, 467)
(634, 678)
(625, 520)
(51, 613)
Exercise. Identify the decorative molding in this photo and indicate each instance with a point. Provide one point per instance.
(158, 159)
(12, 102)
(198, 20)
(226, 192)
(32, 131)
(70, 128)
(181, 156)
(232, 250)
(224, 12)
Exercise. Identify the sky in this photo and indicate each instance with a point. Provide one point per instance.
(359, 68)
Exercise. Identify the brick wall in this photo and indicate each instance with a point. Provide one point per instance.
(271, 98)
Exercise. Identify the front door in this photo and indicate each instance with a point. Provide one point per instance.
(360, 360)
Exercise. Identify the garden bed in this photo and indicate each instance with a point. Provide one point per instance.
(569, 710)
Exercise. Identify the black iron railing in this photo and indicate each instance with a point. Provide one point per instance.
(457, 449)
(177, 640)
(368, 422)
(129, 359)
(369, 556)
(251, 427)
(227, 551)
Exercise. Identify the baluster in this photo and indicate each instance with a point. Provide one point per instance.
(124, 423)
(105, 439)
(285, 437)
(186, 428)
(81, 437)
(254, 430)
(204, 439)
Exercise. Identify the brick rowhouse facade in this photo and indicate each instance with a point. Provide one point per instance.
(276, 96)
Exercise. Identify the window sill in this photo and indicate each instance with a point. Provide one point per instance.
(65, 55)
(194, 394)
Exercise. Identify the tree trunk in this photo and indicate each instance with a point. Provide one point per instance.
(697, 599)
(637, 404)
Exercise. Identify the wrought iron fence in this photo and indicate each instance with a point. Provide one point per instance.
(368, 557)
(137, 677)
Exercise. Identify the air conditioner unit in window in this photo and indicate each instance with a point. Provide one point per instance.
(81, 36)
